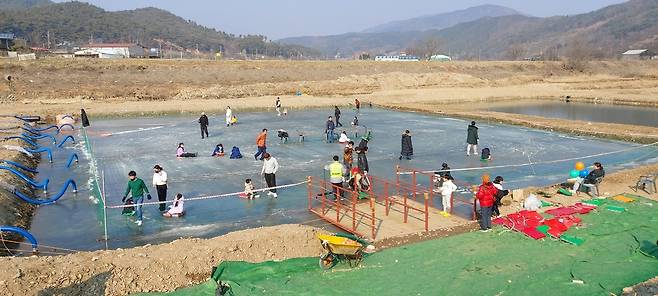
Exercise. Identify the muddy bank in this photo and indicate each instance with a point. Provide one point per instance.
(648, 288)
(14, 211)
(164, 267)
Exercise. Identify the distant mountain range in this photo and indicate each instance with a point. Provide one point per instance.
(77, 23)
(444, 20)
(605, 32)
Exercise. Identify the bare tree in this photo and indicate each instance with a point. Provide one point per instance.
(515, 52)
(425, 48)
(413, 50)
(430, 47)
(578, 54)
(551, 53)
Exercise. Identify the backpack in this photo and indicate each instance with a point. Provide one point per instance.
(128, 211)
(365, 183)
(235, 153)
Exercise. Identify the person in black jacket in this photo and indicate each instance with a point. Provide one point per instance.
(498, 183)
(361, 150)
(591, 179)
(203, 122)
(438, 175)
(407, 150)
(337, 115)
(472, 139)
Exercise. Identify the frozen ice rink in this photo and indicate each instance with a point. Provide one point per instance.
(140, 143)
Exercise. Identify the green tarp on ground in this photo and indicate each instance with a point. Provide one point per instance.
(619, 250)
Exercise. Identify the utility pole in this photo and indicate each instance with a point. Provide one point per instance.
(48, 37)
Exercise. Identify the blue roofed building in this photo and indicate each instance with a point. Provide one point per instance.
(6, 40)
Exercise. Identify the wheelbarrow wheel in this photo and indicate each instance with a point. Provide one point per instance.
(328, 261)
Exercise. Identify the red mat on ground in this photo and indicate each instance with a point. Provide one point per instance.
(578, 208)
(523, 221)
(527, 221)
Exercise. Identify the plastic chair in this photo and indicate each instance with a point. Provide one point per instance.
(645, 182)
(593, 188)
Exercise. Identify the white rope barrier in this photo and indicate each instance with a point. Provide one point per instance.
(133, 131)
(207, 197)
(532, 163)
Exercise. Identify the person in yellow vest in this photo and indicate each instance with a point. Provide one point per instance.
(336, 173)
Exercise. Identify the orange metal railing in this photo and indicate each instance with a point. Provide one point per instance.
(416, 177)
(322, 199)
(399, 193)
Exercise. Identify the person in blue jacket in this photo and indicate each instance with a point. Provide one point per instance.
(235, 153)
(219, 151)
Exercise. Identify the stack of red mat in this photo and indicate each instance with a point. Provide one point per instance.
(530, 222)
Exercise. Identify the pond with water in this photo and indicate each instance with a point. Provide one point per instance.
(635, 115)
(140, 143)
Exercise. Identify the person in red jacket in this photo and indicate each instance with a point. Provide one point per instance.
(486, 195)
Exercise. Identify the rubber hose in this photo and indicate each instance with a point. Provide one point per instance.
(40, 137)
(43, 149)
(22, 232)
(44, 129)
(20, 166)
(50, 200)
(31, 131)
(43, 185)
(28, 118)
(26, 140)
(69, 137)
(66, 124)
(74, 155)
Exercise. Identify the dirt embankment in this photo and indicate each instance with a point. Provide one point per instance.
(56, 79)
(13, 211)
(163, 267)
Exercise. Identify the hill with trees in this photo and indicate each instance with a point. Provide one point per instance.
(603, 33)
(76, 23)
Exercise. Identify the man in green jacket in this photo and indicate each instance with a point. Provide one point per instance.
(136, 188)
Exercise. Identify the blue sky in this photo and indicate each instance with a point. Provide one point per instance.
(287, 18)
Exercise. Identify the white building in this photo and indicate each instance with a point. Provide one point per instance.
(112, 51)
(638, 54)
(440, 58)
(396, 58)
